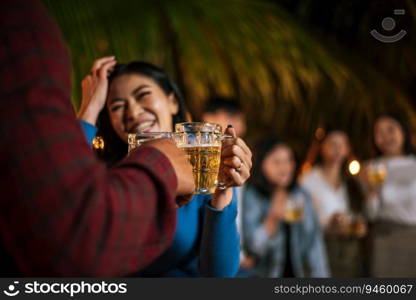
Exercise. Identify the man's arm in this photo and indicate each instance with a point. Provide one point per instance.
(63, 213)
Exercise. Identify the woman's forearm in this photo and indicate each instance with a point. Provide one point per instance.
(220, 244)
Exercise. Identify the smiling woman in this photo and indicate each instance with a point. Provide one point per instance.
(133, 95)
(140, 97)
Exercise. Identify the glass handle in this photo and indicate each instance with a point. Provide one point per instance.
(222, 185)
(226, 137)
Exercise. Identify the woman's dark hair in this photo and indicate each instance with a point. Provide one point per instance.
(261, 151)
(354, 190)
(327, 131)
(408, 147)
(114, 147)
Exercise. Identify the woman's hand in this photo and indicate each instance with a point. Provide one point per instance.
(338, 224)
(95, 88)
(360, 227)
(234, 169)
(371, 190)
(247, 262)
(235, 160)
(347, 225)
(276, 212)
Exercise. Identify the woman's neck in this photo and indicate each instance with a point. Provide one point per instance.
(393, 155)
(332, 173)
(280, 191)
(280, 196)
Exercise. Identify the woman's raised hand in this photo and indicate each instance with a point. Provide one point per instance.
(95, 88)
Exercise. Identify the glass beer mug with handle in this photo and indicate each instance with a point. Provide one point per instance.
(136, 139)
(294, 210)
(202, 143)
(376, 173)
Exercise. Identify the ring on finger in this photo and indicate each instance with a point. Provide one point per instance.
(239, 168)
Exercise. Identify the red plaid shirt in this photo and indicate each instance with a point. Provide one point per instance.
(63, 213)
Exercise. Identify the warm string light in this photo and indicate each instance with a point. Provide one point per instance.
(354, 167)
(98, 143)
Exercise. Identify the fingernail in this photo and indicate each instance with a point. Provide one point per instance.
(230, 126)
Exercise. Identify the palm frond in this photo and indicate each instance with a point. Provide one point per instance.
(254, 50)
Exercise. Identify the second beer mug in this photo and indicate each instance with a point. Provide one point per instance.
(202, 144)
(136, 139)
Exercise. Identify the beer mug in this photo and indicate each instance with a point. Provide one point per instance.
(202, 144)
(353, 226)
(376, 172)
(294, 209)
(136, 139)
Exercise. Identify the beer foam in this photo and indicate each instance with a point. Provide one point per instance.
(199, 146)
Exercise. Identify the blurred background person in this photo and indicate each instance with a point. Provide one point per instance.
(227, 111)
(63, 213)
(338, 201)
(390, 181)
(280, 227)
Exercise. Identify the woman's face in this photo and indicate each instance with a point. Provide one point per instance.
(389, 136)
(136, 103)
(279, 165)
(335, 148)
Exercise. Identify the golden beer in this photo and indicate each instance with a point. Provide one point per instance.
(293, 215)
(294, 209)
(202, 144)
(205, 160)
(376, 177)
(354, 228)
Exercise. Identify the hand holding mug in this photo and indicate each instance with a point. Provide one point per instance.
(181, 166)
(236, 160)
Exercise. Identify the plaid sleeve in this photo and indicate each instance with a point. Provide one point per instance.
(63, 213)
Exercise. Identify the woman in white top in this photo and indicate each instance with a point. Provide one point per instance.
(338, 200)
(391, 203)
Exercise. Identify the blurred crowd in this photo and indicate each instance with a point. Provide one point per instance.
(330, 215)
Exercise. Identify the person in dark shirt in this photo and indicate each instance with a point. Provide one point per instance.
(62, 212)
